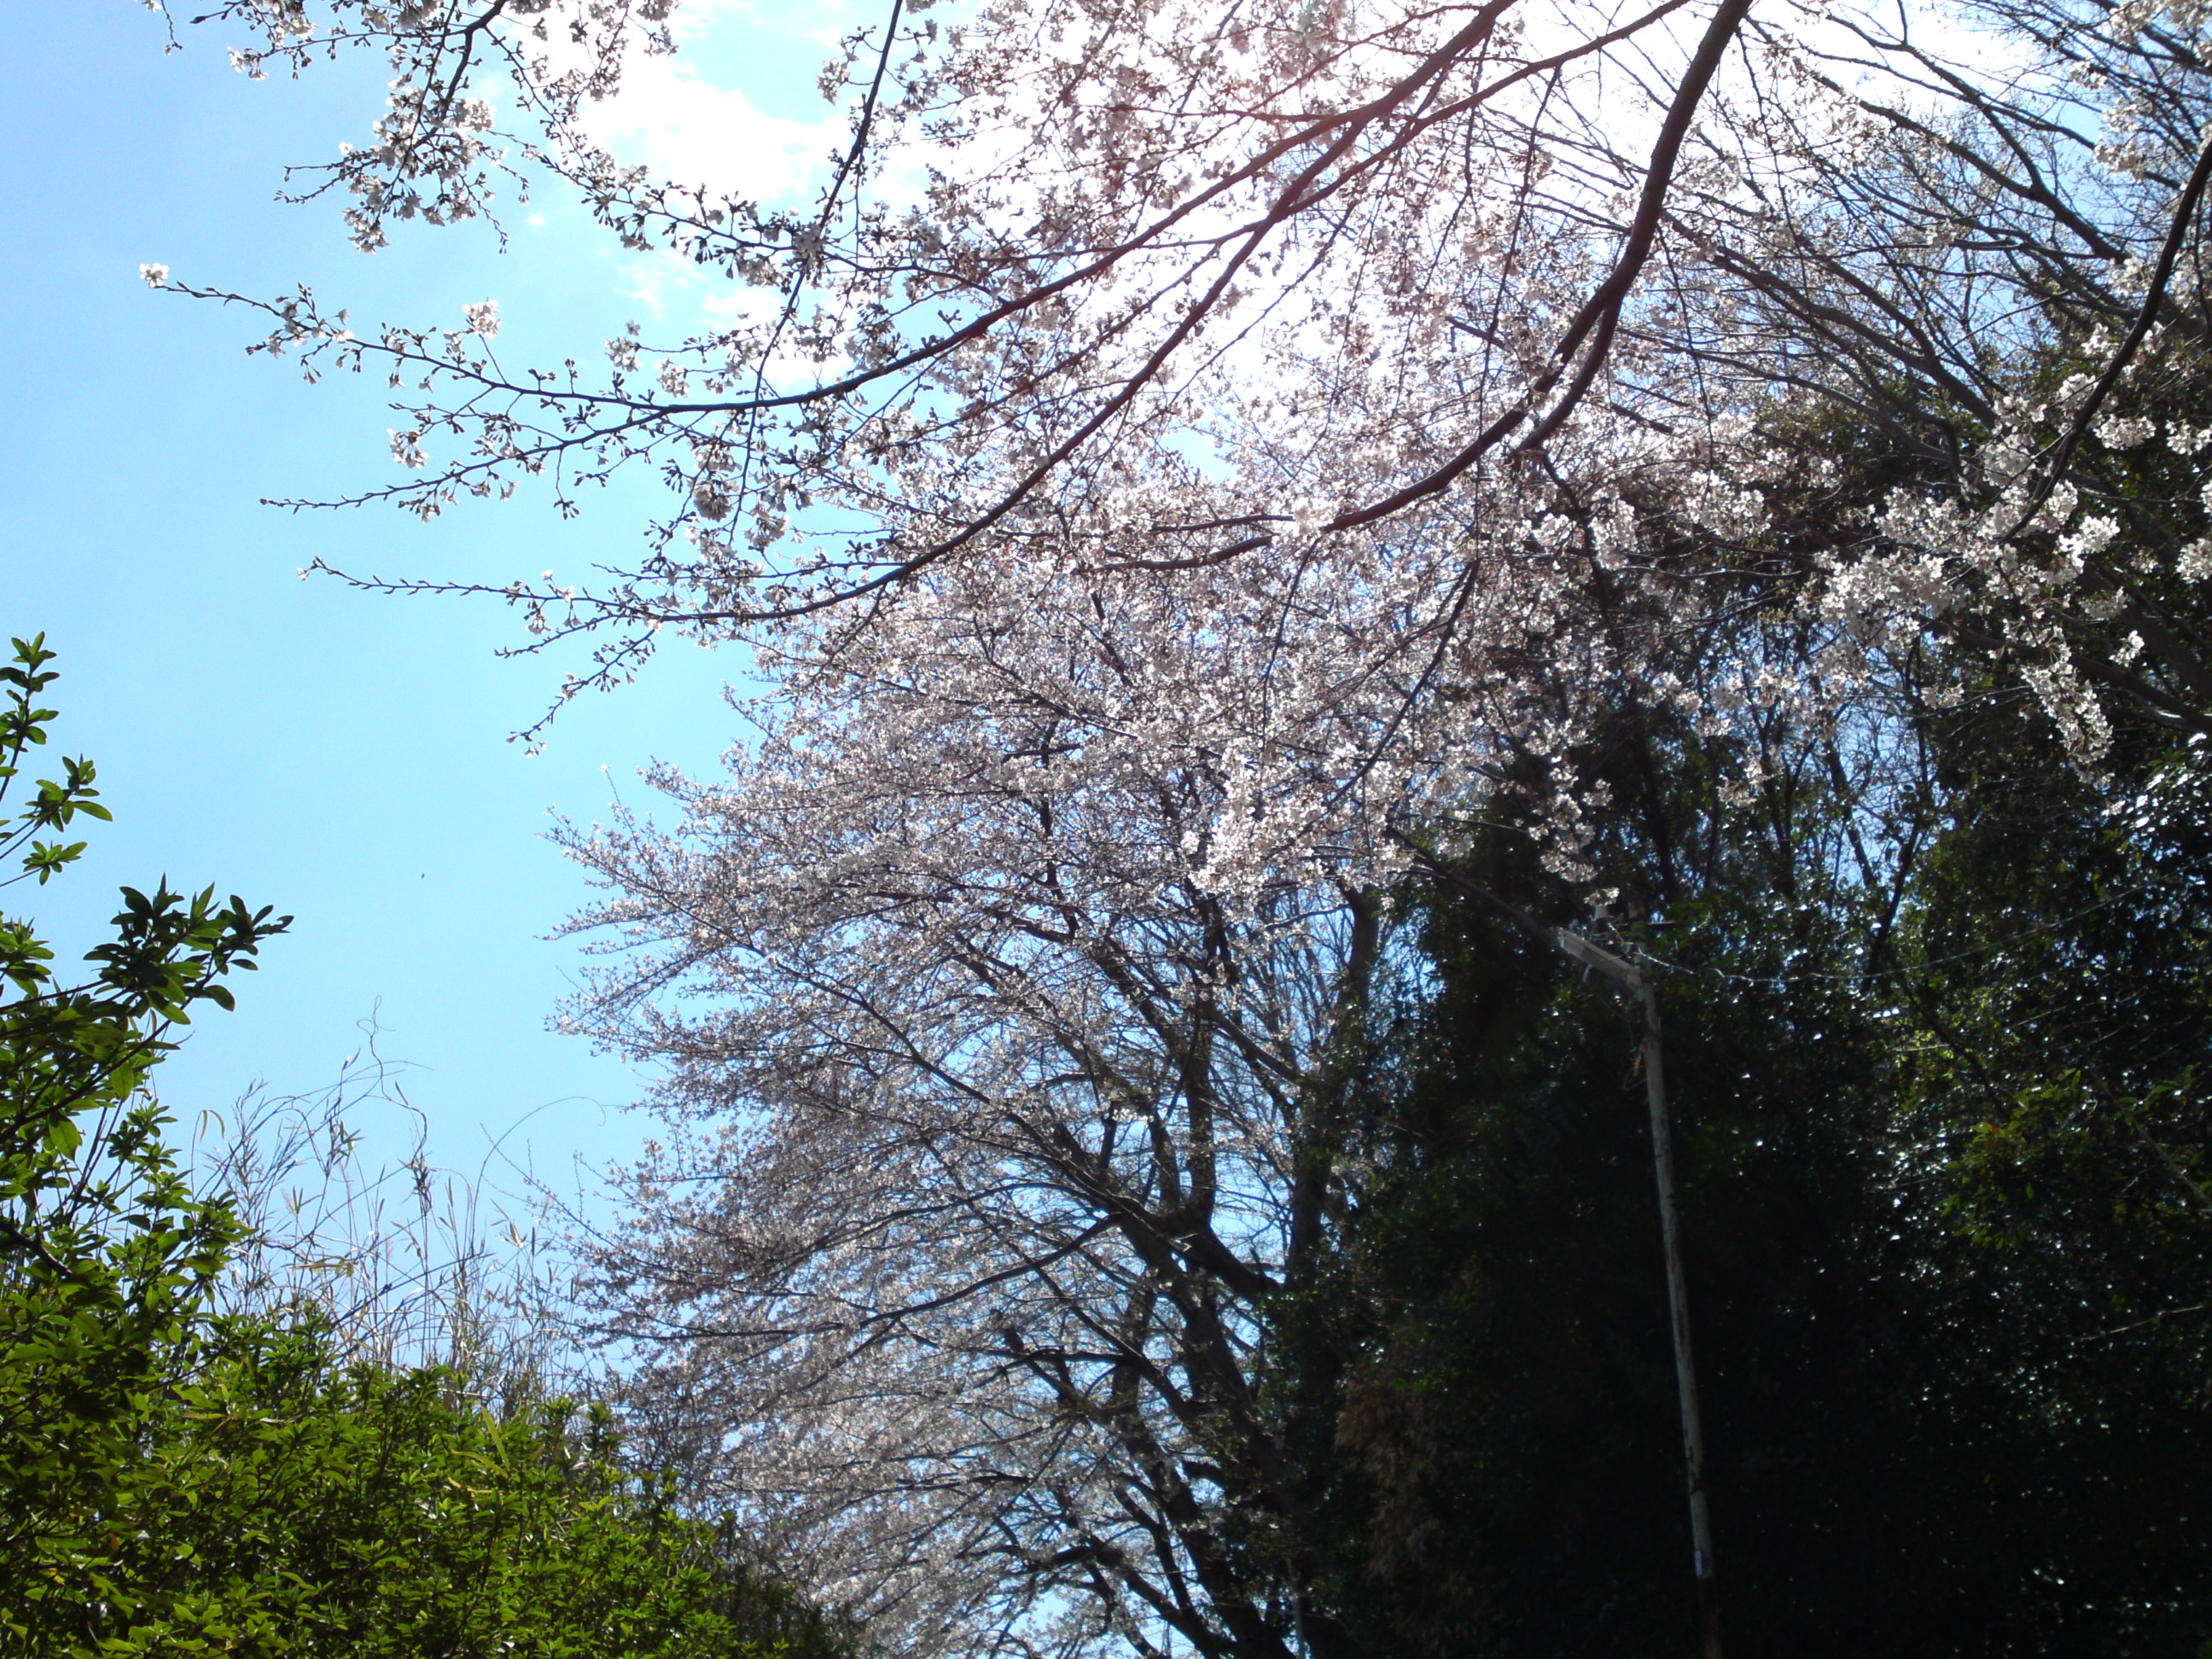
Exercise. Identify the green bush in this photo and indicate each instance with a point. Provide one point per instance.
(281, 1504)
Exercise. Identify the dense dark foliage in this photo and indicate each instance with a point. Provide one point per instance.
(1944, 1157)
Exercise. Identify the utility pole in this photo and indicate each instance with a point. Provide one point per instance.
(1638, 983)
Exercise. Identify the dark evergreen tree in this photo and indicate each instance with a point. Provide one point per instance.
(1936, 1008)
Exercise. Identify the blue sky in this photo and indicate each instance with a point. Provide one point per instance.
(340, 755)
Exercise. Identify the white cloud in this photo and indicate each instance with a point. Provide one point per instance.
(670, 119)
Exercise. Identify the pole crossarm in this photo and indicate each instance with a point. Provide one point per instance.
(1626, 975)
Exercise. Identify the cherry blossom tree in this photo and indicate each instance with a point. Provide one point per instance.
(1064, 241)
(1057, 233)
(1983, 263)
(1034, 988)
